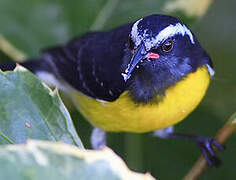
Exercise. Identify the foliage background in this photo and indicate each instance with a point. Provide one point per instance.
(165, 159)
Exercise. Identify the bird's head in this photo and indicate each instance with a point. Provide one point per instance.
(163, 51)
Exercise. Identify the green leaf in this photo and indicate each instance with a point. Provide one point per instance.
(47, 160)
(38, 24)
(30, 109)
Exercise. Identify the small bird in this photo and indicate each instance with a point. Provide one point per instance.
(140, 77)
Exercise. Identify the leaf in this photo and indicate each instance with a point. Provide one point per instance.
(41, 23)
(30, 109)
(47, 160)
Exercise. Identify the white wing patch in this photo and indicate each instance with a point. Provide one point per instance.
(168, 32)
(51, 80)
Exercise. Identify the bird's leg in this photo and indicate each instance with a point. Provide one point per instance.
(98, 138)
(205, 144)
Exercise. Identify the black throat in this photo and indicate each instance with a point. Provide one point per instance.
(150, 81)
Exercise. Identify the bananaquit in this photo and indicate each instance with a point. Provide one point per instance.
(140, 77)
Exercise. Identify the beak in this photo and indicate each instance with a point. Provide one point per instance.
(137, 57)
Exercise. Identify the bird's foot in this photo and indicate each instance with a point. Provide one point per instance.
(208, 146)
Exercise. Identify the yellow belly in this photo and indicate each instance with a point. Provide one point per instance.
(125, 115)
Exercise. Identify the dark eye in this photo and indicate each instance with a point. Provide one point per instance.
(167, 45)
(130, 43)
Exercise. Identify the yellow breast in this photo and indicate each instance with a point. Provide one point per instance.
(125, 115)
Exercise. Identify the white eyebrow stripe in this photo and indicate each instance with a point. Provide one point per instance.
(173, 30)
(164, 34)
(135, 34)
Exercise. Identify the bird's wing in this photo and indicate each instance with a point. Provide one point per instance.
(92, 63)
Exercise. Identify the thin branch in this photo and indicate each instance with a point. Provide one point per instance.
(6, 138)
(103, 15)
(10, 50)
(222, 136)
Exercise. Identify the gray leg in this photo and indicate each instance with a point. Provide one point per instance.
(98, 138)
(205, 144)
(164, 133)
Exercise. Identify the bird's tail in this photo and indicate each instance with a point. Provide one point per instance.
(40, 68)
(34, 65)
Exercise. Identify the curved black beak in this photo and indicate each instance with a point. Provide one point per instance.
(139, 55)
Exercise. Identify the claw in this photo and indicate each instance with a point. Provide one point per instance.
(205, 155)
(206, 145)
(218, 145)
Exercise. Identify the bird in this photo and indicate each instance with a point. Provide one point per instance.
(144, 76)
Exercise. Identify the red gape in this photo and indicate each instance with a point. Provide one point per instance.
(153, 55)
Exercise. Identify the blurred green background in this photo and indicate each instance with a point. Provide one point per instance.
(33, 25)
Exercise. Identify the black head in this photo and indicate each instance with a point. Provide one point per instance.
(164, 50)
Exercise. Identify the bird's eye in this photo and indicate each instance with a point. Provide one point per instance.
(167, 45)
(130, 43)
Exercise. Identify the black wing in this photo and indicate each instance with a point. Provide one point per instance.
(93, 63)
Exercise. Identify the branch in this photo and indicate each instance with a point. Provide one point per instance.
(10, 50)
(222, 136)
